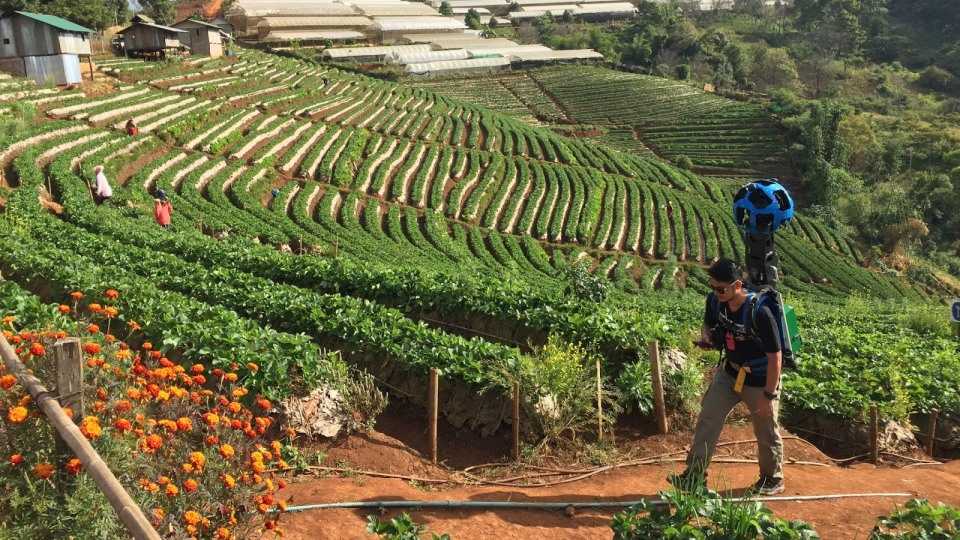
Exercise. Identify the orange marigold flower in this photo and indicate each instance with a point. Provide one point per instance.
(7, 382)
(17, 414)
(223, 534)
(166, 362)
(73, 466)
(231, 377)
(123, 406)
(102, 393)
(91, 348)
(158, 515)
(197, 369)
(110, 338)
(147, 345)
(212, 440)
(90, 427)
(184, 424)
(198, 459)
(187, 468)
(168, 425)
(133, 326)
(9, 319)
(227, 451)
(235, 407)
(122, 425)
(253, 367)
(258, 467)
(36, 349)
(25, 400)
(229, 481)
(217, 372)
(134, 393)
(190, 485)
(43, 470)
(93, 328)
(95, 308)
(192, 518)
(63, 308)
(171, 490)
(111, 312)
(76, 295)
(211, 419)
(16, 459)
(125, 354)
(154, 442)
(264, 403)
(112, 294)
(199, 380)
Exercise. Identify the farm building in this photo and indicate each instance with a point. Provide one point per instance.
(397, 9)
(392, 29)
(313, 28)
(371, 54)
(246, 15)
(535, 57)
(459, 67)
(43, 47)
(148, 39)
(203, 39)
(429, 56)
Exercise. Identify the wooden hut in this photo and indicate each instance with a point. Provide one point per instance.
(151, 39)
(202, 38)
(45, 48)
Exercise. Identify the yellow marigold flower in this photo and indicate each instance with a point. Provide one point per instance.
(192, 518)
(198, 459)
(187, 468)
(184, 423)
(227, 451)
(90, 427)
(17, 414)
(229, 481)
(171, 490)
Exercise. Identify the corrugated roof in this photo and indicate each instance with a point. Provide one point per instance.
(430, 56)
(546, 56)
(507, 51)
(429, 37)
(191, 20)
(349, 52)
(157, 26)
(465, 10)
(314, 22)
(404, 9)
(555, 9)
(55, 22)
(394, 24)
(478, 3)
(333, 35)
(608, 7)
(452, 65)
(263, 8)
(474, 43)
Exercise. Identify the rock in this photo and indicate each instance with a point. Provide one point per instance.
(897, 437)
(546, 406)
(319, 413)
(673, 360)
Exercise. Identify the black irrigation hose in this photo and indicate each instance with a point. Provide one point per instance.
(563, 505)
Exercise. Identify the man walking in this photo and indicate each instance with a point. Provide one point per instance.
(102, 190)
(749, 372)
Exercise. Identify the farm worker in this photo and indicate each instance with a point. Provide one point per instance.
(132, 128)
(102, 190)
(750, 372)
(162, 209)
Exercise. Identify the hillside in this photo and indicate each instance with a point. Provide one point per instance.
(318, 210)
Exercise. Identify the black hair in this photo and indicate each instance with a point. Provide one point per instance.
(725, 271)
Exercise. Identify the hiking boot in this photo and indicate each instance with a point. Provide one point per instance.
(768, 485)
(688, 480)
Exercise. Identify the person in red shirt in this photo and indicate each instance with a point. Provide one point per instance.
(162, 209)
(132, 128)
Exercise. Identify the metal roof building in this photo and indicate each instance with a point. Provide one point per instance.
(398, 9)
(202, 37)
(42, 47)
(550, 56)
(142, 38)
(392, 29)
(458, 66)
(371, 54)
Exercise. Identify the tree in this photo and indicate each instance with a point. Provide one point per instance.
(160, 10)
(773, 67)
(472, 19)
(445, 9)
(567, 16)
(753, 8)
(94, 14)
(833, 26)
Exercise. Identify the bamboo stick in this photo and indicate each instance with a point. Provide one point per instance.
(659, 404)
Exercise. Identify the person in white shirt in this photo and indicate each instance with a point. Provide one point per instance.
(102, 190)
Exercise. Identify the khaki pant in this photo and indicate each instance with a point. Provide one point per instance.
(717, 404)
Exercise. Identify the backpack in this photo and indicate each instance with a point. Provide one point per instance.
(787, 329)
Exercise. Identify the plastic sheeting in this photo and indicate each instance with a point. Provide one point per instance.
(458, 65)
(432, 56)
(547, 56)
(401, 24)
(358, 52)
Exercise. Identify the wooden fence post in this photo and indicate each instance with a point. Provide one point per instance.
(434, 399)
(516, 420)
(599, 404)
(659, 404)
(69, 361)
(932, 436)
(874, 434)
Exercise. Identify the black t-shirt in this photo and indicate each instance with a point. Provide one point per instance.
(745, 349)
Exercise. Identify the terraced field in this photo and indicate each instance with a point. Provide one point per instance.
(642, 114)
(407, 229)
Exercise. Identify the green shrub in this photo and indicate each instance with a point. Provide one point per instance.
(919, 520)
(401, 527)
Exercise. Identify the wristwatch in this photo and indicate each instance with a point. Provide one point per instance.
(770, 396)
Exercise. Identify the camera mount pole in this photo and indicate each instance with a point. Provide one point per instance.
(762, 262)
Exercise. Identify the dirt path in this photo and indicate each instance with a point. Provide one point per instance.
(845, 520)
